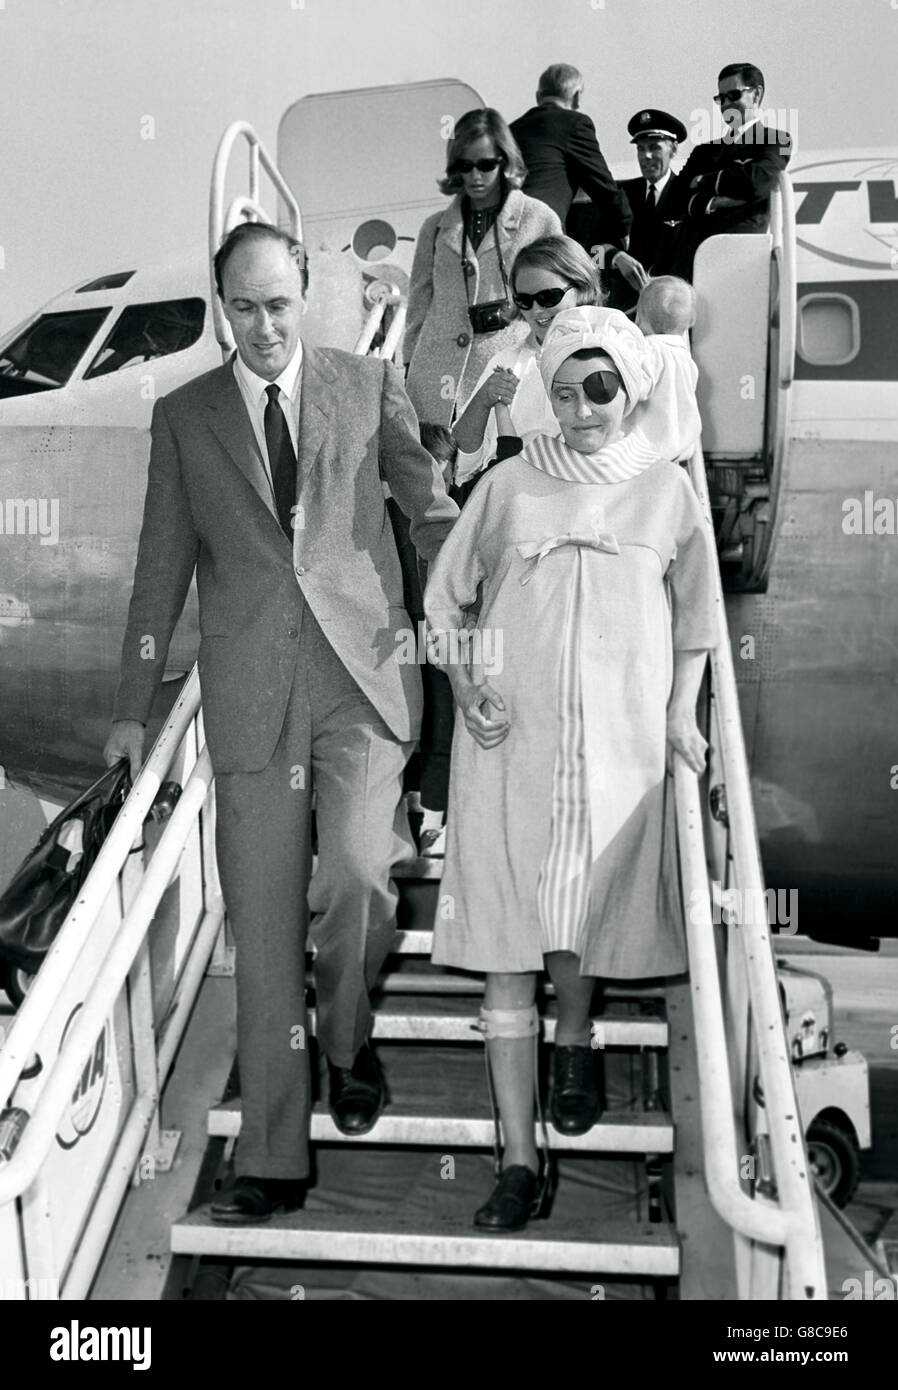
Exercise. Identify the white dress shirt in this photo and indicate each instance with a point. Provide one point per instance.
(659, 187)
(254, 390)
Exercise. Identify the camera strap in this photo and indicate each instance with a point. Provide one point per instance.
(466, 241)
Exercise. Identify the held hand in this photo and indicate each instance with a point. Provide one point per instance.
(126, 740)
(632, 270)
(685, 737)
(718, 203)
(499, 387)
(476, 704)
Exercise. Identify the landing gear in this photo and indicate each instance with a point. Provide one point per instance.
(835, 1160)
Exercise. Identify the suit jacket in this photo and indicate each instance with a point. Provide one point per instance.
(209, 507)
(742, 168)
(562, 154)
(650, 235)
(445, 358)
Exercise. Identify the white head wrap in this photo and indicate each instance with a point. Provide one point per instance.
(599, 330)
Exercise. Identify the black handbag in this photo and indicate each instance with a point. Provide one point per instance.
(35, 904)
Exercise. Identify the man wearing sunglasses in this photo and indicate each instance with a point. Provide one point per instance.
(559, 145)
(725, 185)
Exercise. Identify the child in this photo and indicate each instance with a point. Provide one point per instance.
(669, 418)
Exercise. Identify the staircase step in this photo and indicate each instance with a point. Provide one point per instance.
(620, 1131)
(620, 1247)
(432, 1019)
(434, 981)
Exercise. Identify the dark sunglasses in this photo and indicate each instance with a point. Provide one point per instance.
(733, 94)
(600, 387)
(546, 299)
(464, 166)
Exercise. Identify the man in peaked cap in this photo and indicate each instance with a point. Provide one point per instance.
(656, 135)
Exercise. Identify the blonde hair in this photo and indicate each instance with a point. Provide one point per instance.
(667, 304)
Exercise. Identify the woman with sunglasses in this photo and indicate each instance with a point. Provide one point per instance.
(596, 566)
(460, 311)
(551, 274)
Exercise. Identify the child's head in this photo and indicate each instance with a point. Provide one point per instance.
(439, 443)
(666, 305)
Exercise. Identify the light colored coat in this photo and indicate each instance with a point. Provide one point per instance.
(209, 506)
(445, 359)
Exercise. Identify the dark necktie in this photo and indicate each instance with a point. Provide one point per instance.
(650, 199)
(281, 460)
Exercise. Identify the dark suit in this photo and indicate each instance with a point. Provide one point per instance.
(562, 154)
(301, 689)
(745, 168)
(651, 237)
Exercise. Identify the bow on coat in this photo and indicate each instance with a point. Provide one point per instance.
(538, 550)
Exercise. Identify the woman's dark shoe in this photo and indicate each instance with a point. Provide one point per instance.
(575, 1095)
(518, 1195)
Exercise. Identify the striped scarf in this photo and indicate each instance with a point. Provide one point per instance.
(614, 464)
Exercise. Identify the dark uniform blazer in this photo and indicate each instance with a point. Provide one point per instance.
(651, 238)
(562, 154)
(742, 168)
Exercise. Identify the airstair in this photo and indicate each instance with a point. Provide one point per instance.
(705, 1110)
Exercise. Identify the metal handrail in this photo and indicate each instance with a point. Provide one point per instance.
(72, 937)
(19, 1172)
(383, 296)
(781, 373)
(782, 221)
(395, 332)
(250, 208)
(793, 1222)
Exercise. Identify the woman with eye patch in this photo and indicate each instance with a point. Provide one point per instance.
(460, 310)
(550, 275)
(596, 566)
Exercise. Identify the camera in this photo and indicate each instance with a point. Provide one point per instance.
(492, 316)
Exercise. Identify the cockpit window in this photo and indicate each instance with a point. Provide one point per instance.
(145, 331)
(44, 355)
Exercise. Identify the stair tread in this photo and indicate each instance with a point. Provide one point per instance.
(620, 1131)
(394, 1237)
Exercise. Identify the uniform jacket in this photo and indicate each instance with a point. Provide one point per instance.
(209, 506)
(651, 236)
(562, 154)
(741, 168)
(445, 359)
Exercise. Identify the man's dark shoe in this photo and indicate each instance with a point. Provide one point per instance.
(248, 1201)
(357, 1093)
(575, 1095)
(518, 1195)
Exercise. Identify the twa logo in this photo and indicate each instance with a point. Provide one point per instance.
(847, 211)
(87, 1098)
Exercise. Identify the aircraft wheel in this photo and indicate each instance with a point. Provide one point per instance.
(835, 1160)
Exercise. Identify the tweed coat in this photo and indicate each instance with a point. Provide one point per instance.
(445, 359)
(209, 506)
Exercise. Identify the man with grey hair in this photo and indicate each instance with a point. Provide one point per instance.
(561, 152)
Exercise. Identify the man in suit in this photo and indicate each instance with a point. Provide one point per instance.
(560, 149)
(725, 185)
(656, 135)
(266, 476)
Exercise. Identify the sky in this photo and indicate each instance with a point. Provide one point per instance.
(84, 192)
